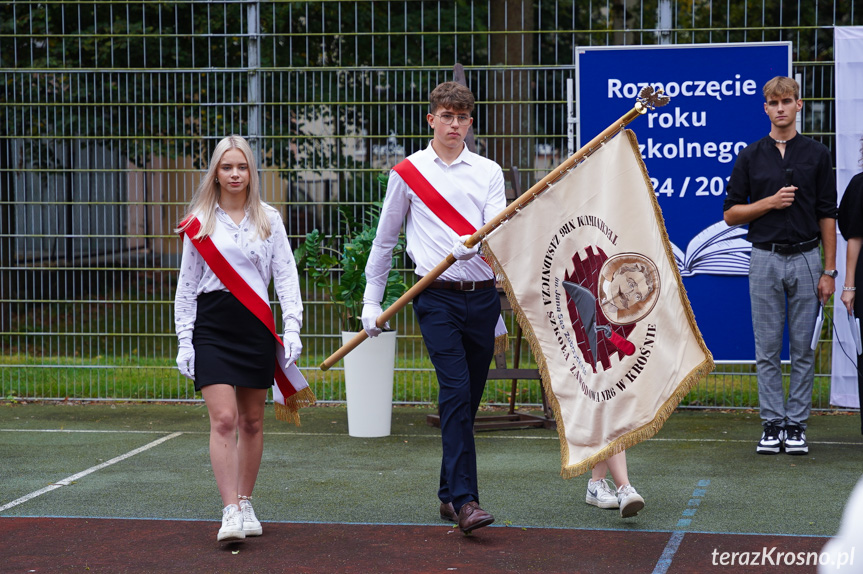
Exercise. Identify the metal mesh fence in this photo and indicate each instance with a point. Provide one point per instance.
(110, 109)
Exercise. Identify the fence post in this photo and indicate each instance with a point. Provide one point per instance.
(7, 232)
(254, 93)
(664, 21)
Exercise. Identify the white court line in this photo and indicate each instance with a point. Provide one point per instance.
(850, 443)
(112, 431)
(478, 436)
(69, 480)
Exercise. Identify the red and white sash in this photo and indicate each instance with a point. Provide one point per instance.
(240, 276)
(449, 215)
(433, 199)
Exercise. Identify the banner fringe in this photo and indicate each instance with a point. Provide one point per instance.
(649, 430)
(501, 342)
(290, 411)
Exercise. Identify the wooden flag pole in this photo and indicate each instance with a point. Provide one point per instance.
(647, 100)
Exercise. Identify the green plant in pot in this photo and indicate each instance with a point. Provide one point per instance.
(336, 265)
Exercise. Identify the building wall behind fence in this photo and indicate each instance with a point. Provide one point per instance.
(110, 110)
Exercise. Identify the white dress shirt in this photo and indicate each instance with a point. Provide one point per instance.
(429, 240)
(272, 258)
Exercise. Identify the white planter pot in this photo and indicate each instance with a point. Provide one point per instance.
(369, 384)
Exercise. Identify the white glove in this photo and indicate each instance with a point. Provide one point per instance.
(371, 311)
(186, 359)
(462, 252)
(293, 347)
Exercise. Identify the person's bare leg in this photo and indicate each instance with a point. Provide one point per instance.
(221, 403)
(599, 471)
(617, 465)
(250, 445)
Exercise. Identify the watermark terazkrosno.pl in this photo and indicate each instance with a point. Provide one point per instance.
(775, 557)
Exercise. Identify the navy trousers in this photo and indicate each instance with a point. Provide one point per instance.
(458, 330)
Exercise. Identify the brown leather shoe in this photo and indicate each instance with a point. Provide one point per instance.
(447, 512)
(471, 517)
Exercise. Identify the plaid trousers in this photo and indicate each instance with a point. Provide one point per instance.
(776, 281)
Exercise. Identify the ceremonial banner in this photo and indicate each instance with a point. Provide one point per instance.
(590, 273)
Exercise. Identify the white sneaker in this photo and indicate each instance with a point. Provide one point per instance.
(772, 439)
(795, 440)
(600, 494)
(629, 500)
(251, 524)
(232, 524)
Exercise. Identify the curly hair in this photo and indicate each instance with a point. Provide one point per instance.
(453, 96)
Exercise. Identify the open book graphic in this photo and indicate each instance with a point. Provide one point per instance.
(717, 250)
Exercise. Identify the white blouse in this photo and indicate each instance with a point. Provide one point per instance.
(272, 258)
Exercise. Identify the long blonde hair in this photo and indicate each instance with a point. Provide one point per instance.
(203, 204)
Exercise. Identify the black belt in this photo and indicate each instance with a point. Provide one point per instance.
(461, 285)
(788, 248)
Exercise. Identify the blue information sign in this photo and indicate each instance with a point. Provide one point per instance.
(689, 148)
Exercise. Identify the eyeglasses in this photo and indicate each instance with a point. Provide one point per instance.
(447, 119)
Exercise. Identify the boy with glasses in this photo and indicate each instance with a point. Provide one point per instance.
(444, 193)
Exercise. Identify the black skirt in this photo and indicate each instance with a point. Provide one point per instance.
(232, 346)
